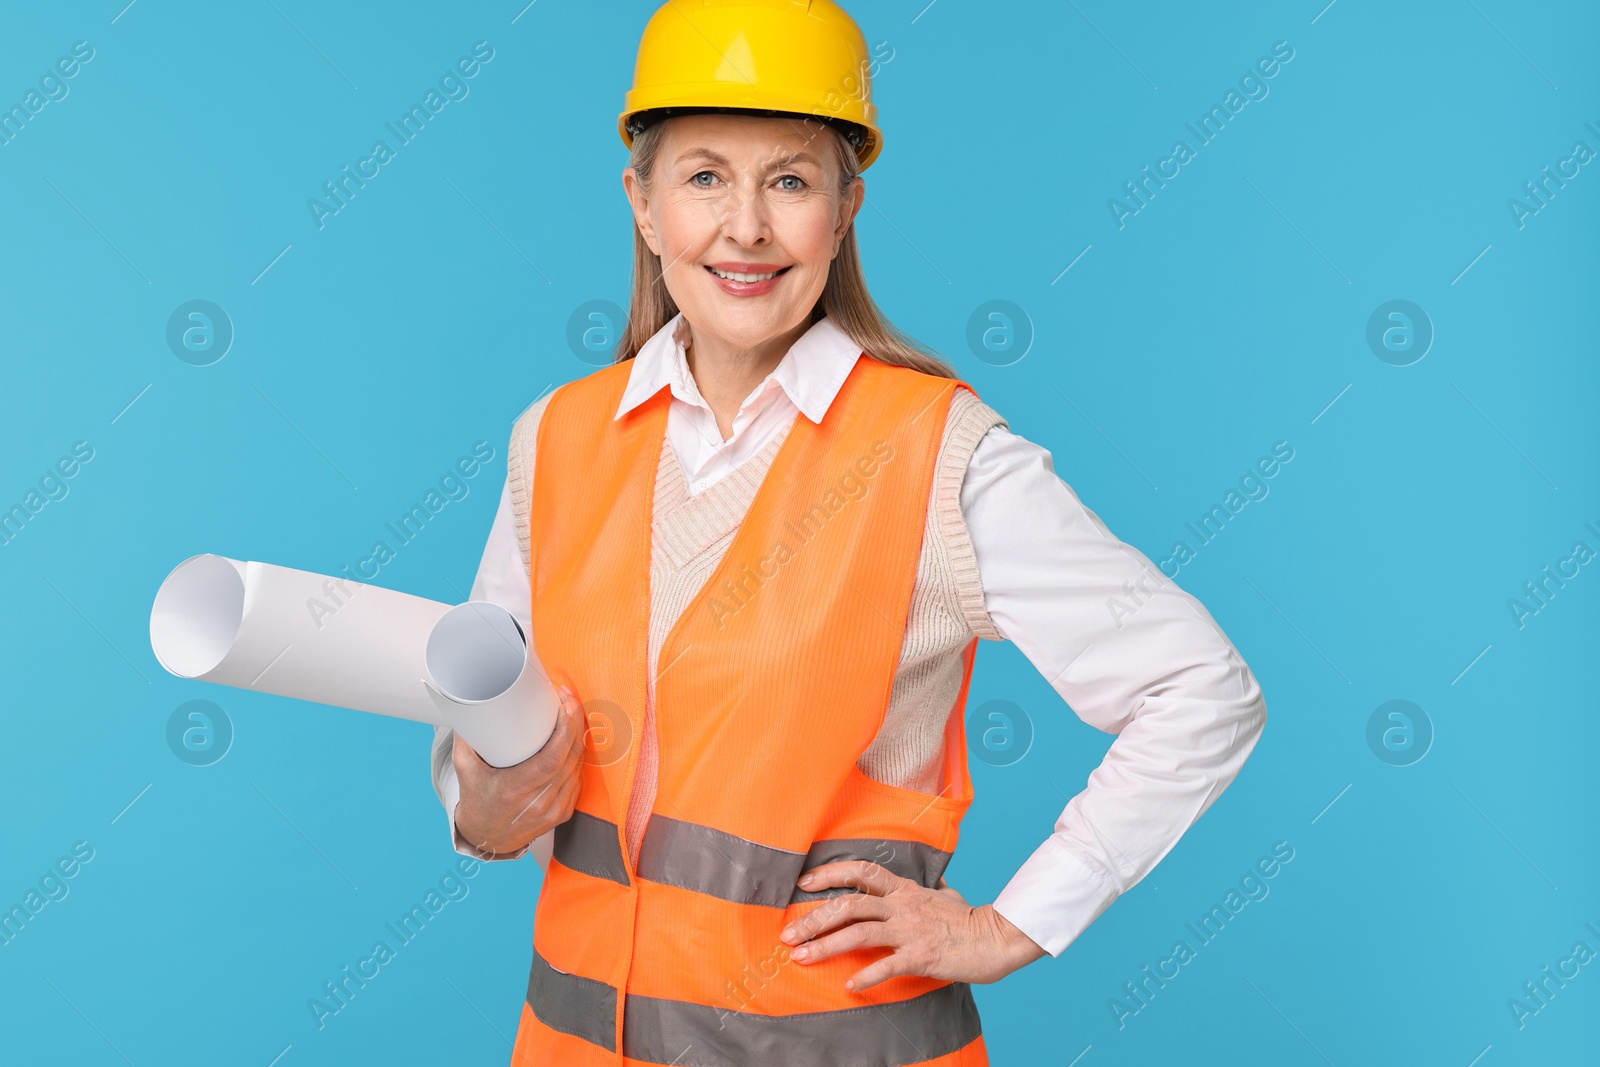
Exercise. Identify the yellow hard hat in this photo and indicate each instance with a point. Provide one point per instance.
(804, 57)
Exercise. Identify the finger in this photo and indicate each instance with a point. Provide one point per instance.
(857, 874)
(560, 758)
(833, 914)
(579, 725)
(567, 785)
(558, 750)
(890, 966)
(551, 787)
(561, 733)
(576, 722)
(538, 796)
(852, 937)
(549, 809)
(569, 802)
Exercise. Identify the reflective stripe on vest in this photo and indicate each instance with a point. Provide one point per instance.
(769, 687)
(721, 865)
(673, 1031)
(589, 844)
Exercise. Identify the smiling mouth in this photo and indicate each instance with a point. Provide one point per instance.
(738, 276)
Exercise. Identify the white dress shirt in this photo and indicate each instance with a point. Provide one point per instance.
(1157, 671)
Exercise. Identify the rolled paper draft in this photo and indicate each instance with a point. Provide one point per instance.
(482, 681)
(334, 641)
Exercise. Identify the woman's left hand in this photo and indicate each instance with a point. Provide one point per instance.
(933, 932)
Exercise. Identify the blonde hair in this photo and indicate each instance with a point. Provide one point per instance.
(844, 299)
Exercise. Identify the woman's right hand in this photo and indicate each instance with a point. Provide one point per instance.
(503, 809)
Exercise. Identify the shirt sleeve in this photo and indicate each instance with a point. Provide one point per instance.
(502, 579)
(1133, 655)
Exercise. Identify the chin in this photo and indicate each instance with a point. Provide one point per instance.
(746, 325)
(738, 315)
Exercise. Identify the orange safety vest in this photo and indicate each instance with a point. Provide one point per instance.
(769, 687)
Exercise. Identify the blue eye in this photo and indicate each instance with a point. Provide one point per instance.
(696, 178)
(794, 178)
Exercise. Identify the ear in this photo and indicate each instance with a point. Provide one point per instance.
(641, 208)
(848, 207)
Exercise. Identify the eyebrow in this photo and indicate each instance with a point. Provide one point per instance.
(706, 153)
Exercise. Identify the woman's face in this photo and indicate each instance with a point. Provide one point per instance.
(748, 195)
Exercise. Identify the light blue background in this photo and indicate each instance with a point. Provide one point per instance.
(1226, 316)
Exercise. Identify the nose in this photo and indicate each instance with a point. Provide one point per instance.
(745, 218)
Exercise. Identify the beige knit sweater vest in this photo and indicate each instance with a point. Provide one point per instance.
(689, 535)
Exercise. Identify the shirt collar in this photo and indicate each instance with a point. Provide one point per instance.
(811, 372)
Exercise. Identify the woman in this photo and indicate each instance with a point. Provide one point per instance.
(759, 551)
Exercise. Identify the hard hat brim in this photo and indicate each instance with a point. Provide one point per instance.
(863, 139)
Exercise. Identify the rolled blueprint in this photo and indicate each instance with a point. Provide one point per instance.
(334, 641)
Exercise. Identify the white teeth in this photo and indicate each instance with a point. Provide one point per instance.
(736, 276)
